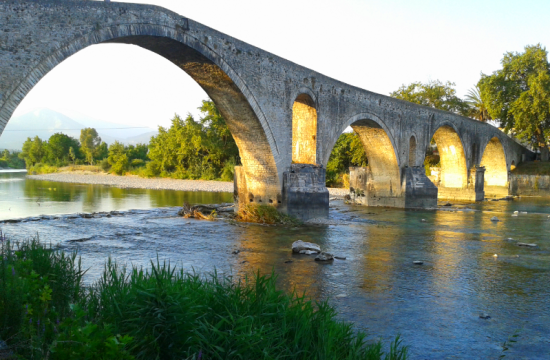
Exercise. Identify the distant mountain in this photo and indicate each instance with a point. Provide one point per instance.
(141, 139)
(46, 122)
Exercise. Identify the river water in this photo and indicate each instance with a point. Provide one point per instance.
(435, 307)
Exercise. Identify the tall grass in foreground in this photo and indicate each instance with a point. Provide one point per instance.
(164, 313)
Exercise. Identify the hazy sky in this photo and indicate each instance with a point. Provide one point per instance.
(377, 45)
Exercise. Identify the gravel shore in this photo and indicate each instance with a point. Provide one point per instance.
(136, 182)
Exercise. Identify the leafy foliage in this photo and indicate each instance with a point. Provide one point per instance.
(194, 150)
(478, 109)
(118, 158)
(348, 151)
(435, 94)
(518, 95)
(90, 144)
(11, 159)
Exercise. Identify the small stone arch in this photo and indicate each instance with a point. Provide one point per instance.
(494, 161)
(304, 130)
(412, 151)
(454, 170)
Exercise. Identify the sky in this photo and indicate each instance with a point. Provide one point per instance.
(377, 45)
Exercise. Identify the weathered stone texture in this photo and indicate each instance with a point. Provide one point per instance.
(255, 91)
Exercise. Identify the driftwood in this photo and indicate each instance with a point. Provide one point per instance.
(199, 211)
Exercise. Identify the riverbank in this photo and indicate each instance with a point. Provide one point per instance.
(136, 182)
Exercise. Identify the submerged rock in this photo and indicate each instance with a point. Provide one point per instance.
(300, 245)
(340, 257)
(484, 316)
(418, 262)
(494, 218)
(448, 204)
(324, 257)
(527, 245)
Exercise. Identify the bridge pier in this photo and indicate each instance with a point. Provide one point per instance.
(304, 194)
(415, 190)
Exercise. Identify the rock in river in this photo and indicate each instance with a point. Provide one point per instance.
(300, 245)
(527, 245)
(324, 257)
(494, 218)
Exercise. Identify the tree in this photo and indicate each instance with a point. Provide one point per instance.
(118, 158)
(433, 94)
(102, 151)
(478, 110)
(72, 155)
(348, 151)
(89, 140)
(518, 95)
(33, 151)
(195, 150)
(137, 152)
(57, 150)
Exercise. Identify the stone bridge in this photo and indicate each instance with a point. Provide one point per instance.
(284, 117)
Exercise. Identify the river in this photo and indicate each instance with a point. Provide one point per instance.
(435, 307)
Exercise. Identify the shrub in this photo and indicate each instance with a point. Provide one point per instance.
(104, 164)
(121, 165)
(152, 169)
(42, 169)
(37, 286)
(137, 163)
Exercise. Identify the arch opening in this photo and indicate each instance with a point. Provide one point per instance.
(383, 173)
(453, 171)
(412, 151)
(494, 161)
(229, 93)
(304, 130)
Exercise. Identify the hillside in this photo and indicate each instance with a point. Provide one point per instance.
(45, 122)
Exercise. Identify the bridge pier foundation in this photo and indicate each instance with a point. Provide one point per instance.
(304, 194)
(415, 190)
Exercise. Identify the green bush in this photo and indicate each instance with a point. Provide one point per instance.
(42, 169)
(37, 286)
(137, 163)
(3, 163)
(152, 169)
(104, 164)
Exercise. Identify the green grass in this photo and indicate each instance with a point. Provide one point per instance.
(164, 313)
(42, 169)
(532, 168)
(264, 214)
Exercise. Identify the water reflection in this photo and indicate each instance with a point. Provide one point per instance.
(20, 197)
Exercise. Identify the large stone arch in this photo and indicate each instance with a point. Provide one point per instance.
(454, 168)
(225, 87)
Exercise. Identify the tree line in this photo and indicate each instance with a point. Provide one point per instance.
(188, 149)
